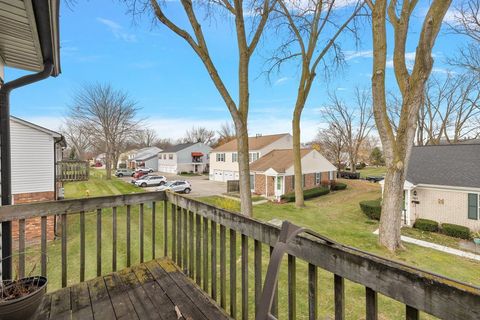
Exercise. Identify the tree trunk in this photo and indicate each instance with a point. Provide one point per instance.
(392, 205)
(297, 161)
(244, 169)
(353, 164)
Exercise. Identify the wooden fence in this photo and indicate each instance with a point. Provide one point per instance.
(72, 170)
(233, 186)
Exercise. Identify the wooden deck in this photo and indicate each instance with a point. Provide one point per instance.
(153, 290)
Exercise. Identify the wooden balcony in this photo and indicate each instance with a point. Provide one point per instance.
(223, 253)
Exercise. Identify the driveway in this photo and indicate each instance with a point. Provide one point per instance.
(201, 186)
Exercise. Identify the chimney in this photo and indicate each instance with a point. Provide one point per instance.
(258, 135)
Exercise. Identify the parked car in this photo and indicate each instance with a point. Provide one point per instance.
(145, 170)
(137, 175)
(124, 172)
(177, 186)
(374, 178)
(151, 181)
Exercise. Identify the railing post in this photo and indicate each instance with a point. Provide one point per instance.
(339, 288)
(165, 228)
(312, 291)
(99, 242)
(371, 304)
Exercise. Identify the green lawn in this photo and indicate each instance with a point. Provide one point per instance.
(336, 215)
(372, 171)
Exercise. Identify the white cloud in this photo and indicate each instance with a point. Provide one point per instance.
(280, 81)
(117, 30)
(349, 55)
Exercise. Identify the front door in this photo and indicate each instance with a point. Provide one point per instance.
(279, 187)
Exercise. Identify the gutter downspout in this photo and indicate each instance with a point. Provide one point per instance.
(5, 160)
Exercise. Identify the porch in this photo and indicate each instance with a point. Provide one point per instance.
(225, 254)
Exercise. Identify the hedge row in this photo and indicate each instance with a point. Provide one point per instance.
(307, 194)
(372, 208)
(339, 186)
(452, 230)
(426, 225)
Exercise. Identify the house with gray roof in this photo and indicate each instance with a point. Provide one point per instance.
(443, 184)
(185, 157)
(145, 158)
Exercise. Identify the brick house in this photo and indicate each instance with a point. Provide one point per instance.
(273, 175)
(34, 152)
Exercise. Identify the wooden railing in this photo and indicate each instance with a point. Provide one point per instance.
(226, 254)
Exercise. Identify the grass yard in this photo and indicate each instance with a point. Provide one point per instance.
(372, 171)
(336, 215)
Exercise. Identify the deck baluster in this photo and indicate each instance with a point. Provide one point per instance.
(339, 288)
(174, 233)
(114, 239)
(185, 239)
(191, 245)
(275, 296)
(153, 228)
(257, 259)
(244, 277)
(179, 237)
(213, 236)
(205, 255)
(223, 267)
(129, 253)
(99, 242)
(371, 304)
(411, 313)
(141, 231)
(312, 292)
(165, 228)
(292, 288)
(21, 248)
(198, 249)
(43, 246)
(64, 250)
(233, 273)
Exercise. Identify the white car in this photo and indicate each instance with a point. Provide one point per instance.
(176, 186)
(150, 181)
(145, 170)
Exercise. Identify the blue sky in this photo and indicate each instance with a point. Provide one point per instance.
(101, 43)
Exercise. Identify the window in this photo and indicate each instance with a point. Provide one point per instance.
(473, 206)
(164, 157)
(331, 175)
(170, 156)
(234, 157)
(279, 183)
(252, 181)
(220, 157)
(252, 156)
(317, 178)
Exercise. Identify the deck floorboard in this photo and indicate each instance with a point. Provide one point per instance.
(153, 290)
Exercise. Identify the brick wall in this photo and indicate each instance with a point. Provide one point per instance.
(259, 184)
(270, 186)
(289, 184)
(33, 226)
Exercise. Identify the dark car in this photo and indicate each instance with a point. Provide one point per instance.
(374, 178)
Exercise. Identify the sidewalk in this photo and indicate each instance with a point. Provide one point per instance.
(439, 247)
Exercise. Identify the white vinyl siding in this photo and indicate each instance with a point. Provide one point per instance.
(32, 159)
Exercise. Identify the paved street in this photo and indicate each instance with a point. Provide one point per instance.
(201, 186)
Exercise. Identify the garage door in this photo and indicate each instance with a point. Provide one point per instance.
(228, 175)
(168, 169)
(218, 175)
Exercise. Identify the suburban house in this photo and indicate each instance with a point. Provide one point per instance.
(224, 159)
(184, 157)
(443, 184)
(35, 151)
(273, 175)
(145, 158)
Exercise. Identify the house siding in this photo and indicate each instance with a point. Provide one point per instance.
(32, 160)
(443, 206)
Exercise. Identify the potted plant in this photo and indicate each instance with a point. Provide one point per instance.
(476, 238)
(21, 298)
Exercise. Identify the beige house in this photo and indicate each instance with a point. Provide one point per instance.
(273, 174)
(224, 159)
(443, 184)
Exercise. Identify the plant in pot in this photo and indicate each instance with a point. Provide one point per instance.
(476, 238)
(21, 298)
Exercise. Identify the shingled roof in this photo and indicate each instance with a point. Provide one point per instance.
(254, 143)
(178, 147)
(455, 165)
(279, 160)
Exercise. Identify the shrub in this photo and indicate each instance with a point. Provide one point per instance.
(426, 225)
(372, 208)
(454, 230)
(339, 186)
(307, 194)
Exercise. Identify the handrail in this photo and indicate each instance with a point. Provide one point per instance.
(425, 291)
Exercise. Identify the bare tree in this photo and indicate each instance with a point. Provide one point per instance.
(313, 30)
(109, 115)
(397, 144)
(199, 134)
(226, 133)
(451, 109)
(331, 145)
(145, 138)
(353, 123)
(467, 22)
(249, 19)
(77, 136)
(164, 143)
